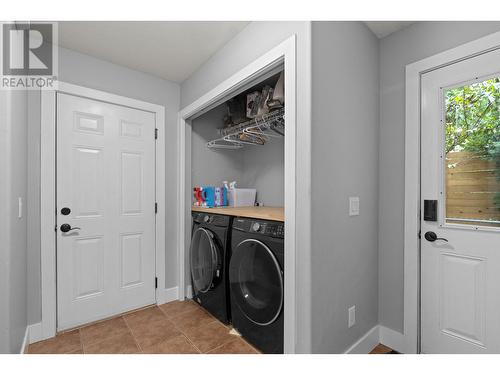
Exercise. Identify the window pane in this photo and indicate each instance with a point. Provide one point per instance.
(473, 153)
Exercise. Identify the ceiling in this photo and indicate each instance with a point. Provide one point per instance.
(384, 28)
(171, 50)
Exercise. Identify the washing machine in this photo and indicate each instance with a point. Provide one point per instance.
(209, 256)
(256, 277)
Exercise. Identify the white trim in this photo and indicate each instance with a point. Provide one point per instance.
(168, 295)
(189, 291)
(410, 338)
(35, 333)
(285, 53)
(394, 340)
(47, 217)
(26, 340)
(48, 188)
(366, 343)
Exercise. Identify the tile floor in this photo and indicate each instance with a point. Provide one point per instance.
(382, 349)
(174, 328)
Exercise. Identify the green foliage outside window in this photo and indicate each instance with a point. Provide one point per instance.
(473, 121)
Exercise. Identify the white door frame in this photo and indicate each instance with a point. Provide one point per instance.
(410, 341)
(48, 194)
(285, 54)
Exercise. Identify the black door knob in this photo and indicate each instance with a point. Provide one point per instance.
(431, 237)
(66, 228)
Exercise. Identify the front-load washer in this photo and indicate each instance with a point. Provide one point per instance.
(256, 274)
(209, 256)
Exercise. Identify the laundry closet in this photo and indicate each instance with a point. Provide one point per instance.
(236, 256)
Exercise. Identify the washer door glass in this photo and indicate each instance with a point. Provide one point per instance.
(204, 260)
(256, 281)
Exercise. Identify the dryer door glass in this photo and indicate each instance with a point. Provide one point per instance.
(256, 281)
(204, 260)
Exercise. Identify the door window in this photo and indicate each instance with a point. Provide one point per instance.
(472, 153)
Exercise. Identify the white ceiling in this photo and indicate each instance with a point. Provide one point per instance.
(383, 28)
(171, 50)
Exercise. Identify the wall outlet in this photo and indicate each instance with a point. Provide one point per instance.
(352, 316)
(353, 206)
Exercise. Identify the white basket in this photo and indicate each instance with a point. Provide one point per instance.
(241, 197)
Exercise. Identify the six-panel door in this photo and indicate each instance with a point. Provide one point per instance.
(106, 177)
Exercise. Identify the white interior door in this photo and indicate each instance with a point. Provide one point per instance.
(106, 178)
(460, 170)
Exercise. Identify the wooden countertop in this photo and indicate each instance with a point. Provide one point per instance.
(266, 213)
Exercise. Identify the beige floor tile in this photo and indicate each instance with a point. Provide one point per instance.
(151, 314)
(381, 349)
(235, 346)
(190, 320)
(79, 351)
(103, 331)
(118, 344)
(209, 336)
(152, 332)
(64, 343)
(176, 308)
(176, 345)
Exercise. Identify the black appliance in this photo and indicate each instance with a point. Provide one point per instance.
(209, 257)
(256, 282)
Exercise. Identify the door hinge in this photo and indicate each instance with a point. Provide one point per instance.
(156, 208)
(419, 234)
(55, 228)
(156, 283)
(156, 133)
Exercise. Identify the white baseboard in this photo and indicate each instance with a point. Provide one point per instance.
(35, 332)
(26, 341)
(189, 291)
(394, 340)
(382, 335)
(167, 295)
(171, 294)
(366, 343)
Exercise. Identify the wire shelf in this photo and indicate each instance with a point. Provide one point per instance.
(255, 132)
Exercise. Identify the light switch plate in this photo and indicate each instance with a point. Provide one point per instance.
(353, 206)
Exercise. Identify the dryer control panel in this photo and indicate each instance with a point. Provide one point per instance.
(266, 228)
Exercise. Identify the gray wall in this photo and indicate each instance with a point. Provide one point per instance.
(13, 250)
(344, 163)
(259, 167)
(414, 43)
(4, 221)
(90, 72)
(210, 167)
(252, 42)
(264, 169)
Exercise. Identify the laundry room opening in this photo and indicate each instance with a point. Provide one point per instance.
(236, 255)
(237, 201)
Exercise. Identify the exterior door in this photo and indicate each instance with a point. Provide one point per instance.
(105, 210)
(460, 180)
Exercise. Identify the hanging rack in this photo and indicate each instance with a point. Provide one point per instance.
(255, 132)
